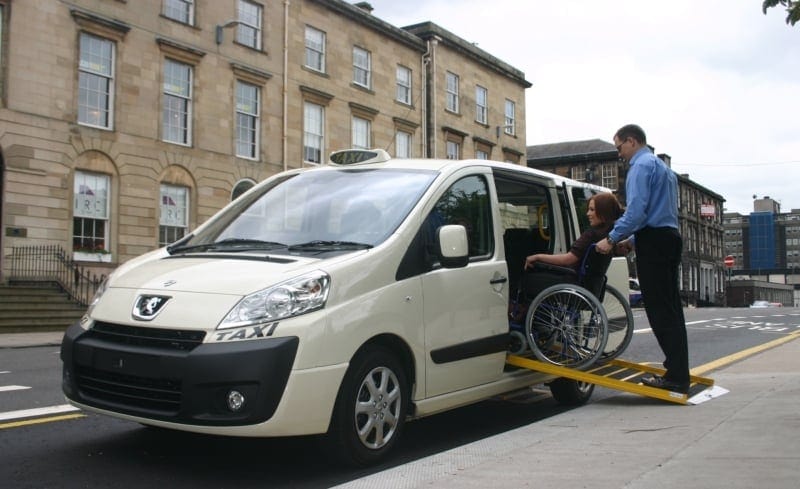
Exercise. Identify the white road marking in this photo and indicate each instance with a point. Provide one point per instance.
(29, 413)
(8, 388)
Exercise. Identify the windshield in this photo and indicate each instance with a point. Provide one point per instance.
(314, 211)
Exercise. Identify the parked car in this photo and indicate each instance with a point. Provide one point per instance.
(759, 304)
(635, 295)
(342, 299)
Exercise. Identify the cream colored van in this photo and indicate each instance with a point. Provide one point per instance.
(343, 299)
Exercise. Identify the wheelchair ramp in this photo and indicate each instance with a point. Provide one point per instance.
(625, 376)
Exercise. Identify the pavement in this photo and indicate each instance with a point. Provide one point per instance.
(746, 438)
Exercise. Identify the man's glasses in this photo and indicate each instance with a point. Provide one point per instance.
(621, 144)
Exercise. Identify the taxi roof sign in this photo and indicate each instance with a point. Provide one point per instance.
(358, 156)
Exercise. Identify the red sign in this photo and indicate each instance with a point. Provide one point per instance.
(728, 261)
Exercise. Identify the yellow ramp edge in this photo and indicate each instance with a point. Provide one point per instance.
(632, 385)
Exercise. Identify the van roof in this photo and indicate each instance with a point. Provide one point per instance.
(383, 160)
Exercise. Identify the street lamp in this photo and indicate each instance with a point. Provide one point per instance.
(230, 23)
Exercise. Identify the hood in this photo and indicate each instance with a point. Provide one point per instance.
(237, 275)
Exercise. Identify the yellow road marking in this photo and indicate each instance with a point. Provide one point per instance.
(50, 419)
(739, 355)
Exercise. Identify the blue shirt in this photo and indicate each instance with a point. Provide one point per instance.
(652, 196)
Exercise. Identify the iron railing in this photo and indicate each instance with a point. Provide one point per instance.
(50, 263)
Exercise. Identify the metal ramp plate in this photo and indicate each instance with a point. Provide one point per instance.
(619, 375)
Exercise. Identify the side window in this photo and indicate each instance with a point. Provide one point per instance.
(467, 203)
(581, 198)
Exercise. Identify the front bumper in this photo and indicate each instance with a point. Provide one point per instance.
(142, 374)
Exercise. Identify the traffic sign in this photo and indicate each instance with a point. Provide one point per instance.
(729, 261)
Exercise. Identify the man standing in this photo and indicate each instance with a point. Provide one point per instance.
(651, 217)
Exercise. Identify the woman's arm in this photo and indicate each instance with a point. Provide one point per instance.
(562, 260)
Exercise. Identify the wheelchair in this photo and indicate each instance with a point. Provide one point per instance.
(571, 318)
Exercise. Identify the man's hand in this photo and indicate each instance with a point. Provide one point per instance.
(623, 247)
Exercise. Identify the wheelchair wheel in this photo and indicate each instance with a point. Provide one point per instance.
(566, 326)
(620, 323)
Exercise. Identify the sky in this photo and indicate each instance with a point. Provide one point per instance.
(715, 84)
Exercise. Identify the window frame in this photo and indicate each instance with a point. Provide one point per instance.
(170, 6)
(254, 116)
(87, 74)
(242, 24)
(187, 101)
(365, 70)
(81, 180)
(164, 227)
(451, 92)
(408, 145)
(403, 93)
(362, 127)
(481, 109)
(510, 125)
(311, 49)
(307, 134)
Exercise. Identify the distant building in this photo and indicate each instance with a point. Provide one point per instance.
(765, 245)
(700, 210)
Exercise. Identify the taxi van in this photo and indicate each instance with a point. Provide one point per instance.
(343, 300)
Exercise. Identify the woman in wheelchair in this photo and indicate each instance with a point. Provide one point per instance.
(603, 210)
(567, 324)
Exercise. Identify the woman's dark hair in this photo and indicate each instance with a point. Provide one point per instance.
(607, 207)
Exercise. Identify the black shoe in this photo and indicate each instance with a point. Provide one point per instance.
(661, 383)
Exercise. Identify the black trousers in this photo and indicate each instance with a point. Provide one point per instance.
(658, 256)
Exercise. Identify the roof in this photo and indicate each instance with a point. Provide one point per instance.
(592, 148)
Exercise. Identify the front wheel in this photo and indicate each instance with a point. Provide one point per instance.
(370, 409)
(570, 392)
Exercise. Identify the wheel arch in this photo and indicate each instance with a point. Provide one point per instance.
(402, 350)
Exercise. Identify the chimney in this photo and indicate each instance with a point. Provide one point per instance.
(365, 6)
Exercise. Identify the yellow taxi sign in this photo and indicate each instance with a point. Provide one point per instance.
(358, 156)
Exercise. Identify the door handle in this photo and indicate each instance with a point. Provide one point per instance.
(498, 280)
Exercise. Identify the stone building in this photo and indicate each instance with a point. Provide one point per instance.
(700, 210)
(123, 125)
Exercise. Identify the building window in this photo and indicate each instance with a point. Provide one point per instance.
(315, 49)
(247, 120)
(481, 155)
(362, 67)
(451, 89)
(174, 219)
(177, 110)
(180, 10)
(402, 142)
(404, 85)
(361, 133)
(248, 31)
(511, 119)
(241, 187)
(90, 213)
(95, 81)
(481, 107)
(453, 150)
(609, 176)
(578, 173)
(313, 135)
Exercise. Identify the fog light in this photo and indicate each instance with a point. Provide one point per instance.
(235, 400)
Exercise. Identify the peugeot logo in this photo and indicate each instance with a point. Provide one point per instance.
(147, 307)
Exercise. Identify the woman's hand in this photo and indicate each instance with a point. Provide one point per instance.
(529, 261)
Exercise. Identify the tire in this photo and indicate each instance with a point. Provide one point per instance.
(566, 326)
(620, 323)
(370, 409)
(568, 392)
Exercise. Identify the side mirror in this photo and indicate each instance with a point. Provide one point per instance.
(453, 246)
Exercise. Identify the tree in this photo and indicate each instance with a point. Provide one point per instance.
(792, 9)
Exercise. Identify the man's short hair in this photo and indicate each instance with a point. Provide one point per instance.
(631, 131)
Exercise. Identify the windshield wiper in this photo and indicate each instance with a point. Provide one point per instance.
(230, 244)
(323, 245)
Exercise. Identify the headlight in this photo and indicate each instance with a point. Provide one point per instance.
(288, 299)
(101, 289)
